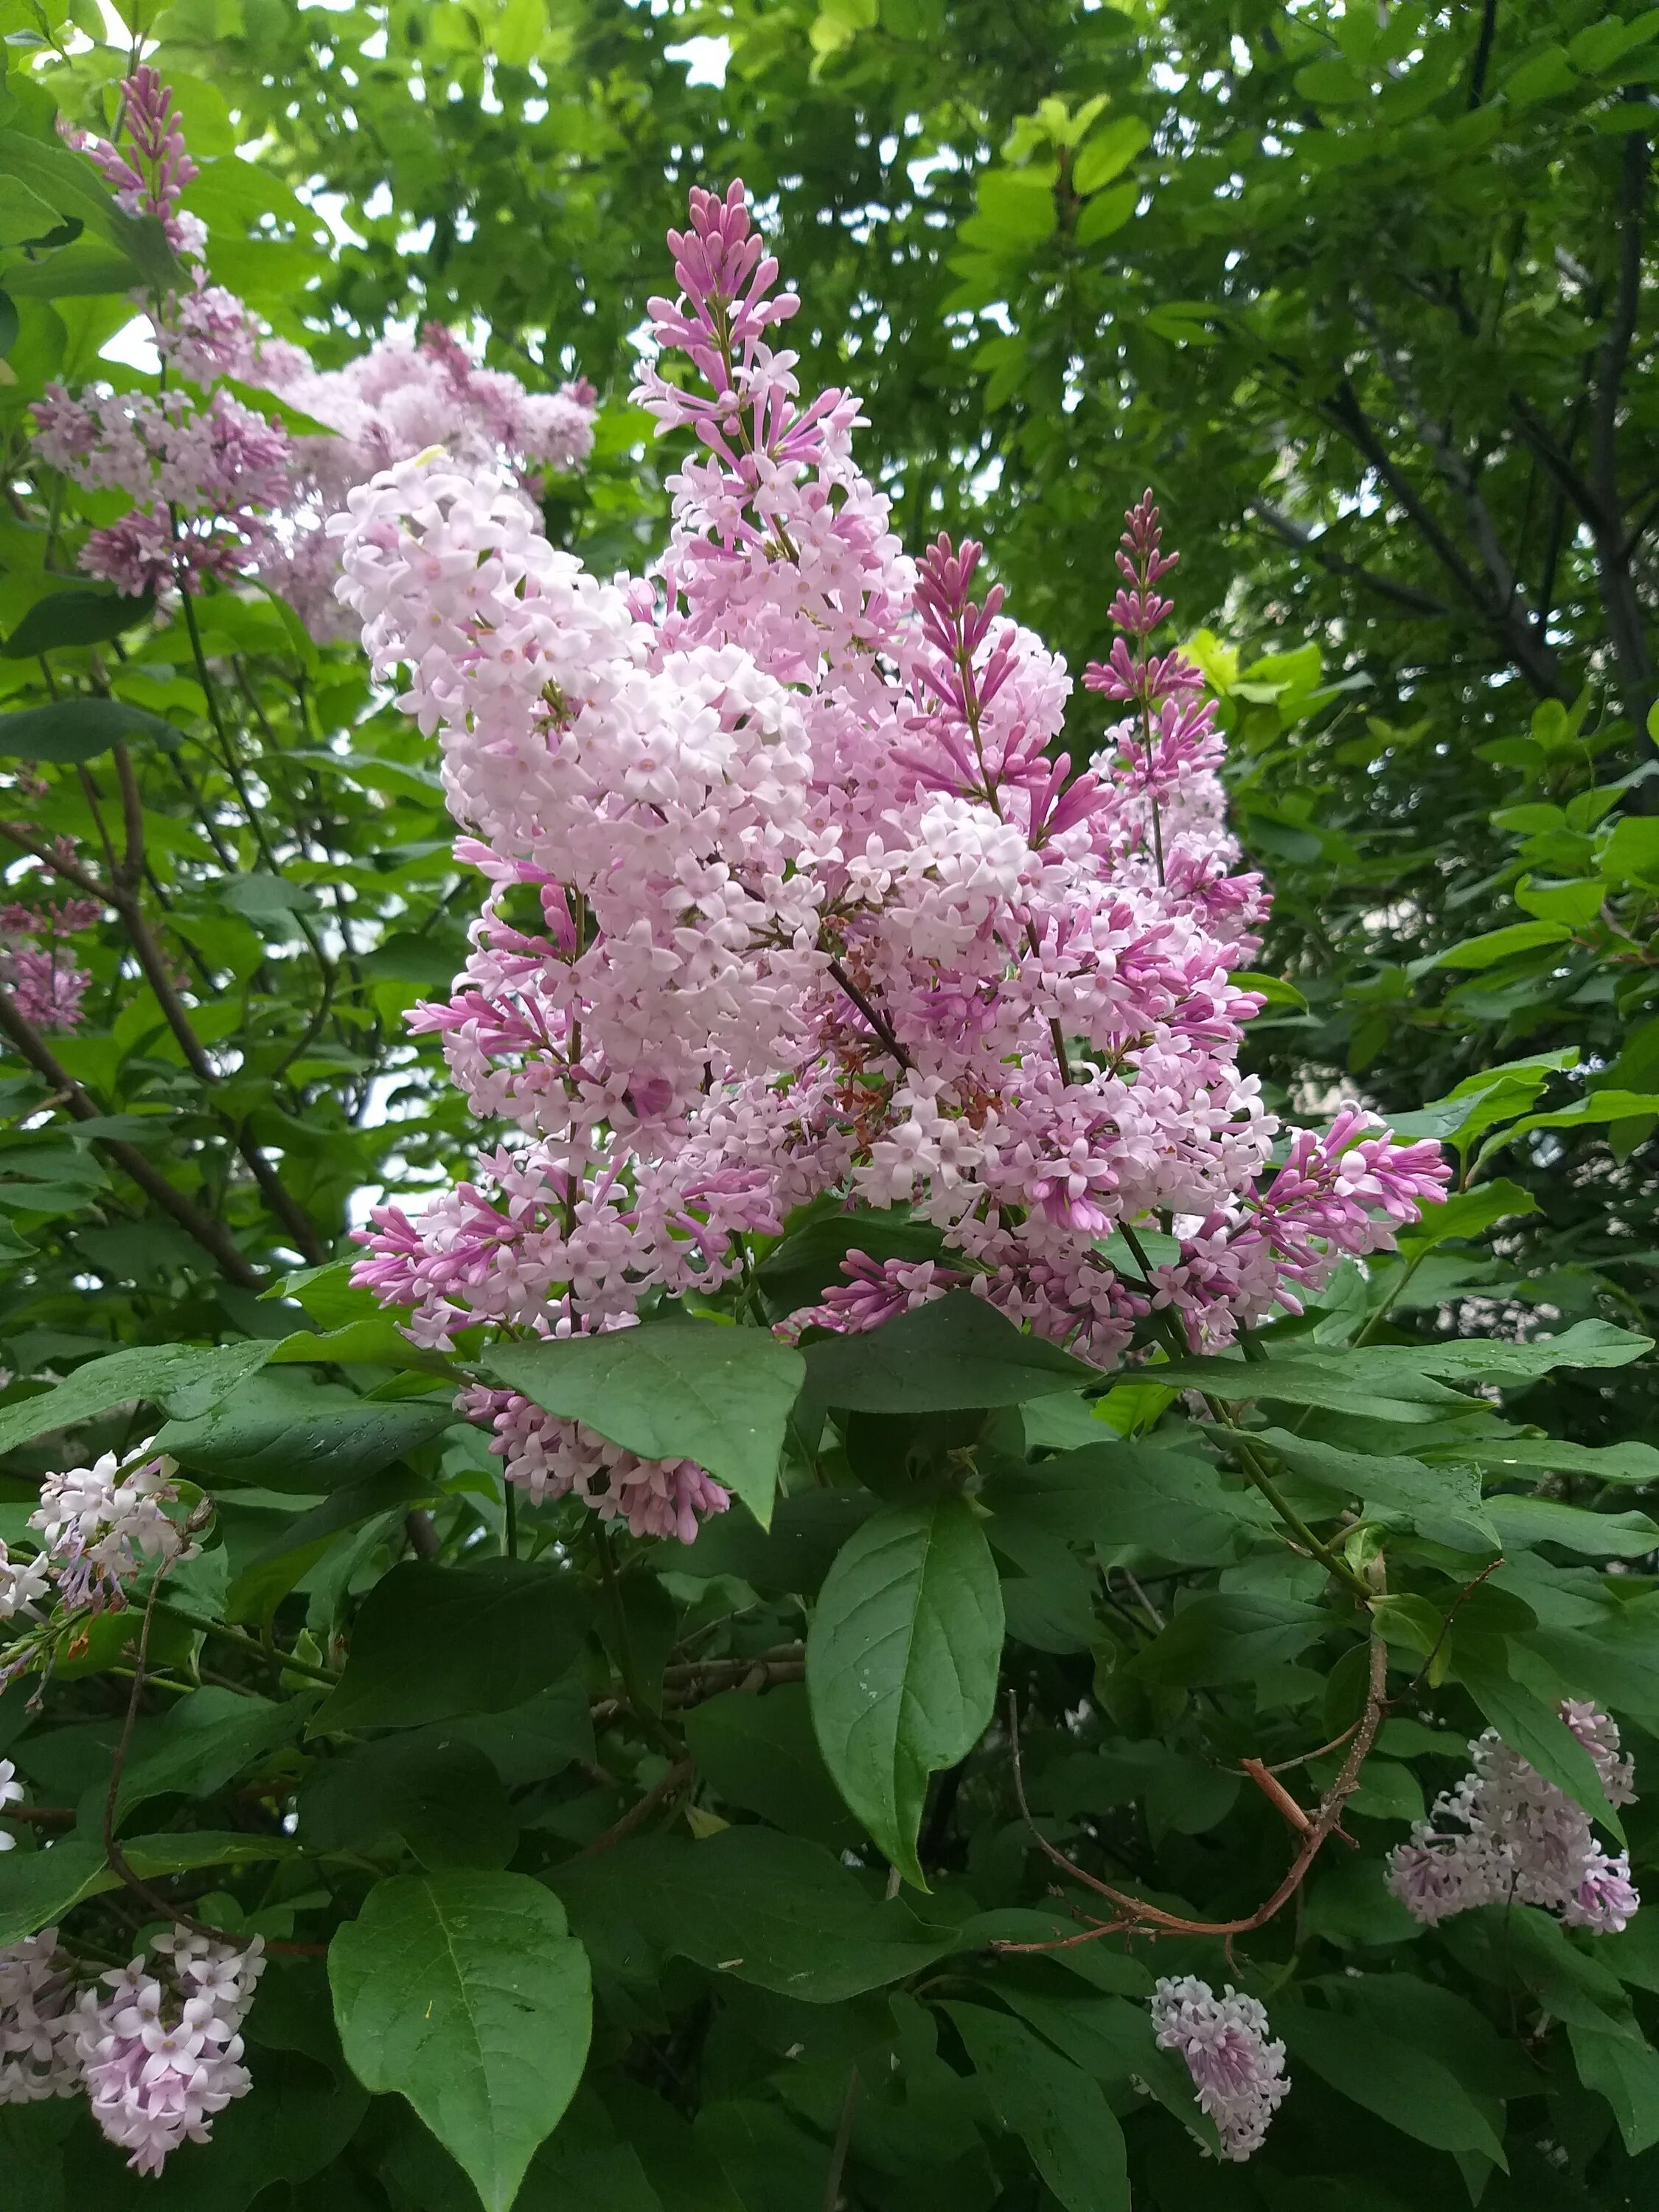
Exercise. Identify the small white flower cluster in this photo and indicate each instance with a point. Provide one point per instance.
(154, 2047)
(98, 1525)
(1238, 2073)
(1518, 1837)
(11, 1793)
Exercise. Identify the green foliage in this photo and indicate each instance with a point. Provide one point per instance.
(1351, 292)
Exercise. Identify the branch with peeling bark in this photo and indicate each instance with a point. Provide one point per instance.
(1136, 1915)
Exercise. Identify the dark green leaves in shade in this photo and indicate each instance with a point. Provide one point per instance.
(771, 1910)
(466, 1993)
(1060, 2113)
(285, 1432)
(433, 1642)
(955, 1354)
(760, 1753)
(902, 1662)
(75, 730)
(78, 615)
(442, 1798)
(675, 1389)
(185, 1379)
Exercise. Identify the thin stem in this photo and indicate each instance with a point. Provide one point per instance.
(289, 1662)
(843, 2143)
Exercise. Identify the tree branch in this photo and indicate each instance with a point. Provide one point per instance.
(1312, 542)
(209, 1232)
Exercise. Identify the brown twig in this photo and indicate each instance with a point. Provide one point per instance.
(877, 1022)
(209, 1232)
(842, 2144)
(1136, 1917)
(673, 1784)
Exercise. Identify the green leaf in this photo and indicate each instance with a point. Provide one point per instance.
(672, 1390)
(37, 1888)
(78, 730)
(78, 615)
(1394, 2077)
(1493, 1359)
(1627, 1463)
(1500, 945)
(68, 183)
(1107, 152)
(794, 1554)
(1372, 1383)
(184, 1378)
(1163, 1500)
(1440, 1503)
(902, 1662)
(1056, 2110)
(956, 1354)
(285, 1432)
(432, 1644)
(1468, 1213)
(1523, 1522)
(262, 1580)
(1623, 2070)
(466, 1993)
(760, 1753)
(1229, 1636)
(773, 1910)
(444, 1798)
(202, 1742)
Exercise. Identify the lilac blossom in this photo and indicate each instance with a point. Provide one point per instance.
(815, 910)
(38, 2023)
(1238, 2072)
(160, 2054)
(1504, 1832)
(99, 1523)
(11, 1793)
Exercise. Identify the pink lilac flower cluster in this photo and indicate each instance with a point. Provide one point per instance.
(1238, 2073)
(221, 488)
(155, 2046)
(790, 895)
(99, 1523)
(161, 2054)
(1513, 1836)
(38, 2022)
(551, 1458)
(38, 968)
(203, 480)
(152, 179)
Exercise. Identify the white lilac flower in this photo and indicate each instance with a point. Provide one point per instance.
(1238, 2071)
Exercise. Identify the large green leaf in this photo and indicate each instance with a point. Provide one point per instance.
(1523, 1522)
(760, 1753)
(466, 1994)
(78, 615)
(186, 1379)
(444, 1798)
(672, 1390)
(1442, 1503)
(65, 181)
(202, 1742)
(953, 1355)
(1372, 1383)
(433, 1644)
(1169, 1502)
(1393, 2076)
(773, 1910)
(1231, 1635)
(901, 1662)
(78, 730)
(1058, 2111)
(285, 1432)
(1625, 2069)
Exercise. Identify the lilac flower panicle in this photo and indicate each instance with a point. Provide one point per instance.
(1238, 2071)
(823, 913)
(160, 2054)
(38, 2023)
(99, 1523)
(1503, 1832)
